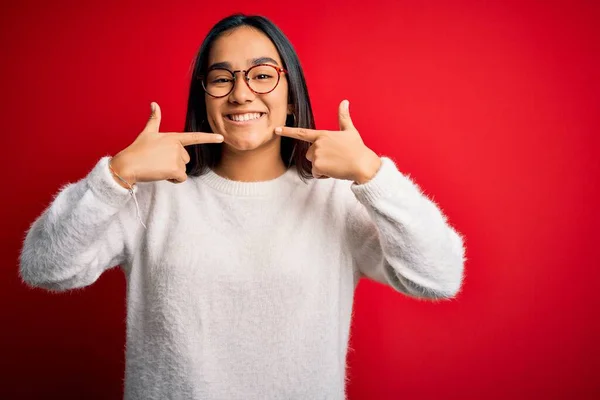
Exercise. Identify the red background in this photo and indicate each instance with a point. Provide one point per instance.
(491, 106)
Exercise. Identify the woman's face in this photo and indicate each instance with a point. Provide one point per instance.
(241, 48)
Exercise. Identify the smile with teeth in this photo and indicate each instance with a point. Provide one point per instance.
(244, 117)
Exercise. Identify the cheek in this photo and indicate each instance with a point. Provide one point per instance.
(213, 115)
(211, 108)
(278, 107)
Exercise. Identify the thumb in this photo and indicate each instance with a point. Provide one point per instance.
(344, 116)
(153, 123)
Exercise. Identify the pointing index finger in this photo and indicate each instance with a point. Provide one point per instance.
(308, 135)
(190, 138)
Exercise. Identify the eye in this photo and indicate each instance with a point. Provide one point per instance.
(262, 77)
(216, 81)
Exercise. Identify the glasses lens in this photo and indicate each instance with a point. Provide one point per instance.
(263, 78)
(218, 82)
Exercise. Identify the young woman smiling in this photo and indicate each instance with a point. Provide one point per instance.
(240, 277)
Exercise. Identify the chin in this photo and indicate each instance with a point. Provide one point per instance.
(247, 142)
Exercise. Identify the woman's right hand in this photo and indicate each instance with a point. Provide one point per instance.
(156, 156)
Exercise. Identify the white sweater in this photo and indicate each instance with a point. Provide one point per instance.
(243, 290)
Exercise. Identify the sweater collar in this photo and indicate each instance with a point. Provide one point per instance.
(275, 186)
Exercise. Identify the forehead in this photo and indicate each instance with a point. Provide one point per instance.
(240, 46)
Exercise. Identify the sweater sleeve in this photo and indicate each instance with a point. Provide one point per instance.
(401, 238)
(82, 233)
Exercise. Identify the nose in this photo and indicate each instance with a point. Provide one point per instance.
(241, 92)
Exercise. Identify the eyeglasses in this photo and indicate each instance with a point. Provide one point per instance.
(261, 79)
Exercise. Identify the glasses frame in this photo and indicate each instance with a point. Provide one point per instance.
(245, 71)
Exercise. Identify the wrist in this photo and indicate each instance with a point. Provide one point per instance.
(367, 168)
(120, 173)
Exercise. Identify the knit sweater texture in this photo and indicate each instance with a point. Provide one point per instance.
(243, 290)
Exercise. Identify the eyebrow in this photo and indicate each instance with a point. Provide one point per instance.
(254, 61)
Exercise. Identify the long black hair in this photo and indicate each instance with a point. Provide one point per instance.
(293, 151)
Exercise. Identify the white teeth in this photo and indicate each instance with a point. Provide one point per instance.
(244, 117)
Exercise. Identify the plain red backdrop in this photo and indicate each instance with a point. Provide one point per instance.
(492, 107)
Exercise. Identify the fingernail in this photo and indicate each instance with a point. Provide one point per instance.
(347, 104)
(278, 130)
(220, 138)
(152, 107)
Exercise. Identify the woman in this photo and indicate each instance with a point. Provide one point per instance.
(240, 278)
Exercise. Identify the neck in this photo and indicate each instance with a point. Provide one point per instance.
(261, 164)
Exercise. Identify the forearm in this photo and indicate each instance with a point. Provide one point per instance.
(417, 251)
(78, 236)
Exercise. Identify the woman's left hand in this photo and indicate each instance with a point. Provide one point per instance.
(337, 154)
